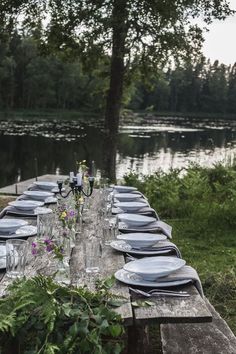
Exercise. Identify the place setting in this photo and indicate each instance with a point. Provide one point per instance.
(129, 197)
(133, 207)
(43, 196)
(27, 208)
(142, 223)
(144, 244)
(157, 273)
(16, 228)
(45, 186)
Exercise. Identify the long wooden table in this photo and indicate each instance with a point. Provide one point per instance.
(192, 309)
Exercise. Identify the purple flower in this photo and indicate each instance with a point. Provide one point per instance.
(34, 244)
(49, 248)
(47, 241)
(34, 251)
(72, 213)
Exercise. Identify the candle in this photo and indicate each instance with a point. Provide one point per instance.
(71, 176)
(79, 179)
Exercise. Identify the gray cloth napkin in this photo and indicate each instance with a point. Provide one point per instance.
(155, 226)
(165, 228)
(185, 273)
(166, 246)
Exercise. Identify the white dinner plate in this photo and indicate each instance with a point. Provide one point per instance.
(122, 246)
(124, 189)
(24, 231)
(2, 256)
(25, 213)
(133, 279)
(152, 268)
(136, 220)
(130, 206)
(46, 185)
(38, 195)
(26, 204)
(141, 239)
(127, 197)
(11, 225)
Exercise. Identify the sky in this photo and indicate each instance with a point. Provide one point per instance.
(220, 41)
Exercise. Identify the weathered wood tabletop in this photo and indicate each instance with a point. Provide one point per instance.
(164, 309)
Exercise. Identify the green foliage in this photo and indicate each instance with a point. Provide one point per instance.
(59, 55)
(44, 317)
(206, 194)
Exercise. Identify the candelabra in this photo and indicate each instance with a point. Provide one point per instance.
(76, 187)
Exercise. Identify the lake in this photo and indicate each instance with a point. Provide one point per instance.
(143, 147)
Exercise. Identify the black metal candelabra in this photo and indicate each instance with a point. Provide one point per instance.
(76, 189)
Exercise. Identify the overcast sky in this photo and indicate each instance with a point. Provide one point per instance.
(220, 41)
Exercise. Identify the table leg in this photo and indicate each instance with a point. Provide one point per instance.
(138, 339)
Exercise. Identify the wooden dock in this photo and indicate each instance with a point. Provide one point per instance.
(20, 187)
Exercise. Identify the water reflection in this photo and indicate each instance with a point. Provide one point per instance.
(143, 148)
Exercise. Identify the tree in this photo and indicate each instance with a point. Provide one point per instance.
(152, 30)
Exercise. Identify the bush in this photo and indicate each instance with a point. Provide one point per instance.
(206, 194)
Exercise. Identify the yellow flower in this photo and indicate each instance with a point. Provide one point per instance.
(81, 199)
(63, 215)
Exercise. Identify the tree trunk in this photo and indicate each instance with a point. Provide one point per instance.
(114, 96)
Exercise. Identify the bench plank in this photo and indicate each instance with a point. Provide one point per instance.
(205, 338)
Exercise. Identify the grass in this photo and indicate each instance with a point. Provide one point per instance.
(213, 254)
(4, 200)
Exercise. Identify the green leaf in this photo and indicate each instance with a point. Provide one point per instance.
(115, 330)
(116, 302)
(149, 303)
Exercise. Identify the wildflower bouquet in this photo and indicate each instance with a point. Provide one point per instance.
(49, 246)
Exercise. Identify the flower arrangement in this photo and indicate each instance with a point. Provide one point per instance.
(49, 246)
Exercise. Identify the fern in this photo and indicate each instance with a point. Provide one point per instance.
(44, 317)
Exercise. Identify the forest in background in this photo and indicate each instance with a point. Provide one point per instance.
(32, 78)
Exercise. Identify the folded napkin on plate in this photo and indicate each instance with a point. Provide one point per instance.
(165, 228)
(184, 273)
(165, 246)
(152, 227)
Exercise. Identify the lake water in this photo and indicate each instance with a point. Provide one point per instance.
(144, 147)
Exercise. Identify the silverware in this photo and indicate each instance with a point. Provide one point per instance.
(152, 248)
(160, 292)
(130, 257)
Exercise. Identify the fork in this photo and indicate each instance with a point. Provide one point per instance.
(160, 292)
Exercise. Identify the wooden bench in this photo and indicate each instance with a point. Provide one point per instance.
(200, 338)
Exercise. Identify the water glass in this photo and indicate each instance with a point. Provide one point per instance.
(2, 254)
(92, 251)
(15, 257)
(114, 223)
(45, 225)
(107, 232)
